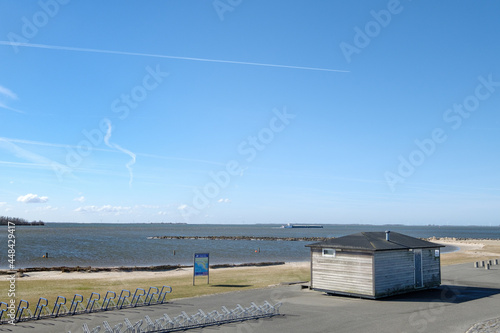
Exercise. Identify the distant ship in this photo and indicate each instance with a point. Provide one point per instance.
(289, 225)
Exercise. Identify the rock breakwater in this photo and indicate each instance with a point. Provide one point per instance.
(249, 238)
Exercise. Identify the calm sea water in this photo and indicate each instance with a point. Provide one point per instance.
(103, 245)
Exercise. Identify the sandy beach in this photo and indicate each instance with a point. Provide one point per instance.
(470, 250)
(147, 275)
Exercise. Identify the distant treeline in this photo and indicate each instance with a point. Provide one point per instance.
(4, 220)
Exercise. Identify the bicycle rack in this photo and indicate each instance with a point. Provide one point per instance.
(41, 307)
(80, 305)
(91, 302)
(75, 303)
(2, 311)
(200, 319)
(107, 300)
(151, 295)
(133, 328)
(137, 297)
(116, 329)
(122, 299)
(161, 296)
(20, 309)
(57, 306)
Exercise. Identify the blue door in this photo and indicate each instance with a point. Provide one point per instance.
(418, 268)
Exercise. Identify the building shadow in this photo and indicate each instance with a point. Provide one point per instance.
(452, 294)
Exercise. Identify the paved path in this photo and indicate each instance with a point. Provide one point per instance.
(468, 296)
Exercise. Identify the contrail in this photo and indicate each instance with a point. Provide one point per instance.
(128, 152)
(151, 55)
(3, 106)
(55, 145)
(6, 93)
(39, 160)
(60, 145)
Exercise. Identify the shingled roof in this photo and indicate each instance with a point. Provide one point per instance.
(375, 241)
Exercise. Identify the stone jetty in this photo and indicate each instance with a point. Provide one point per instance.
(248, 238)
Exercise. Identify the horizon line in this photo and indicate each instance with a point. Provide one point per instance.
(328, 224)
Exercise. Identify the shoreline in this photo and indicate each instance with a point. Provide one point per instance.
(468, 250)
(224, 278)
(128, 269)
(147, 275)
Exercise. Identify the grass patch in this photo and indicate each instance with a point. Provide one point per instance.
(221, 280)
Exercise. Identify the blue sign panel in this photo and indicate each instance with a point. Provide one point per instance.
(201, 264)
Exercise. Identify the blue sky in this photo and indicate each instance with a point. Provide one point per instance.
(250, 111)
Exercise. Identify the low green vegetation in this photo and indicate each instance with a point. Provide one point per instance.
(221, 280)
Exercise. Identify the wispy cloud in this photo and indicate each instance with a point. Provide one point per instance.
(146, 206)
(6, 95)
(180, 159)
(103, 209)
(47, 208)
(60, 145)
(32, 198)
(80, 199)
(150, 55)
(3, 106)
(128, 152)
(24, 154)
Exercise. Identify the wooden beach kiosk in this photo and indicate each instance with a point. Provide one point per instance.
(374, 264)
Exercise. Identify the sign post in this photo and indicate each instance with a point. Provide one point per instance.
(201, 266)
